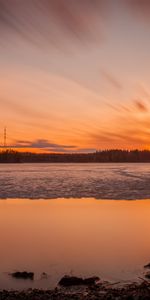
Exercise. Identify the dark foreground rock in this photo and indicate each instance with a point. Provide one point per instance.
(147, 275)
(147, 266)
(100, 291)
(23, 275)
(73, 280)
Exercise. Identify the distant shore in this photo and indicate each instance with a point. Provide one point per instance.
(102, 156)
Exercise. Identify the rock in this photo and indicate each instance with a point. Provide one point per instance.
(147, 266)
(23, 275)
(44, 275)
(91, 280)
(147, 275)
(72, 280)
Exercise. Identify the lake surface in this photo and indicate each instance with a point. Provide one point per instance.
(80, 237)
(70, 227)
(50, 181)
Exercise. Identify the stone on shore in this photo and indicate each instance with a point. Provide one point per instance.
(73, 280)
(147, 275)
(147, 266)
(23, 275)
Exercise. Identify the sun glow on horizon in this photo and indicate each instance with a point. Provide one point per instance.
(75, 87)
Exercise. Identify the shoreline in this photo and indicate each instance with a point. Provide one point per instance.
(102, 291)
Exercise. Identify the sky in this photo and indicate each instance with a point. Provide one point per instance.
(75, 74)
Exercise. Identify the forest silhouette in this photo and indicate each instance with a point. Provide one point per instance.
(104, 156)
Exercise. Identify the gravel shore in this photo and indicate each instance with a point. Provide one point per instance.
(133, 291)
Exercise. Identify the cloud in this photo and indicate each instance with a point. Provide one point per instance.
(140, 106)
(129, 131)
(140, 8)
(47, 146)
(47, 19)
(125, 139)
(143, 90)
(41, 144)
(21, 109)
(111, 80)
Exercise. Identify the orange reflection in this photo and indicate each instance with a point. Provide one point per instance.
(84, 237)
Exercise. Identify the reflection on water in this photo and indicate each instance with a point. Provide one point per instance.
(81, 237)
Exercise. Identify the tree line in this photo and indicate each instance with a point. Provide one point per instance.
(103, 156)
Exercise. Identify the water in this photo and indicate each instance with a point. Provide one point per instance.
(76, 230)
(50, 181)
(73, 236)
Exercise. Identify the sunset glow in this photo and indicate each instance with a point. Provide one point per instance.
(75, 75)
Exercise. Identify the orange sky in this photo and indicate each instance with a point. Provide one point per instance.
(75, 76)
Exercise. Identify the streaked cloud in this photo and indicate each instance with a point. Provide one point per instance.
(140, 8)
(143, 91)
(47, 146)
(80, 102)
(129, 131)
(44, 21)
(41, 144)
(111, 79)
(21, 108)
(140, 105)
